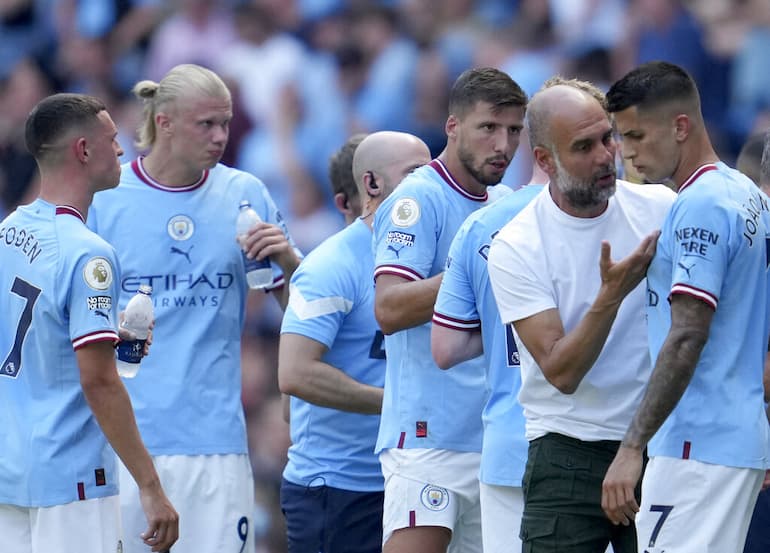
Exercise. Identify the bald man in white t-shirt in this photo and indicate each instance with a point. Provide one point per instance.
(578, 316)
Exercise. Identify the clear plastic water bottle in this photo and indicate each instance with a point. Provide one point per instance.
(258, 273)
(137, 318)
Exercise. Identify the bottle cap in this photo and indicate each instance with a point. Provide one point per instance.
(244, 203)
(145, 289)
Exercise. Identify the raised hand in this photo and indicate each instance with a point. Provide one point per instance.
(621, 277)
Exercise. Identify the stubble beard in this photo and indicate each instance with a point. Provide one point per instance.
(582, 193)
(466, 158)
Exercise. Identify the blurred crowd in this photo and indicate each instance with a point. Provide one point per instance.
(306, 74)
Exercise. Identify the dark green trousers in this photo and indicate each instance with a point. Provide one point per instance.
(563, 498)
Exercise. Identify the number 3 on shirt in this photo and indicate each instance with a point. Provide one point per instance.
(12, 364)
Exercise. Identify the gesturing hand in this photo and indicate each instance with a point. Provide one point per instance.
(620, 277)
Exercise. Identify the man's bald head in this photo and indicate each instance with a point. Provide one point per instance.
(572, 141)
(557, 98)
(385, 158)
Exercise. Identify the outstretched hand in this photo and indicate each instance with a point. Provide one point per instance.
(621, 277)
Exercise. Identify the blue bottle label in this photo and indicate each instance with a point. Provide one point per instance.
(254, 264)
(130, 351)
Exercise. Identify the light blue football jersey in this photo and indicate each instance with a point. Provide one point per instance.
(423, 406)
(181, 241)
(332, 302)
(714, 246)
(465, 302)
(59, 288)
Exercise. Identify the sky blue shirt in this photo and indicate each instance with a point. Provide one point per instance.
(423, 406)
(465, 302)
(181, 241)
(58, 292)
(331, 301)
(714, 246)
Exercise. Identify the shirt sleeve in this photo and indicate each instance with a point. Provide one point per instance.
(272, 215)
(456, 302)
(698, 236)
(405, 236)
(319, 301)
(92, 299)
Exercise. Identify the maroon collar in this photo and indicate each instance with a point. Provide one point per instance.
(698, 172)
(138, 166)
(442, 170)
(69, 210)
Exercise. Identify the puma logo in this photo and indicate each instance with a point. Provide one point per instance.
(181, 252)
(685, 267)
(394, 250)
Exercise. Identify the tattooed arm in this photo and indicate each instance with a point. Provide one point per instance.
(690, 323)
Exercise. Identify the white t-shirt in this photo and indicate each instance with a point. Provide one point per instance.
(545, 259)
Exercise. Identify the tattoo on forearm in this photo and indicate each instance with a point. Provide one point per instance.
(673, 372)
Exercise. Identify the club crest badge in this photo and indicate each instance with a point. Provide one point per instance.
(180, 227)
(434, 498)
(98, 273)
(405, 213)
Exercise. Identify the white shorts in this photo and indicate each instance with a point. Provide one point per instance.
(693, 507)
(433, 487)
(213, 494)
(89, 526)
(501, 510)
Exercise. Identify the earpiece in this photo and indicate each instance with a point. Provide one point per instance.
(372, 182)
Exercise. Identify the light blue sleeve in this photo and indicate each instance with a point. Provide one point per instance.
(319, 300)
(405, 233)
(699, 235)
(270, 213)
(456, 302)
(92, 296)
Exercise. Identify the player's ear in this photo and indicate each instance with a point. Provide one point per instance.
(451, 126)
(341, 203)
(371, 185)
(162, 122)
(80, 147)
(682, 127)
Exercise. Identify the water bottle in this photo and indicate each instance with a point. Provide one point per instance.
(258, 273)
(137, 318)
